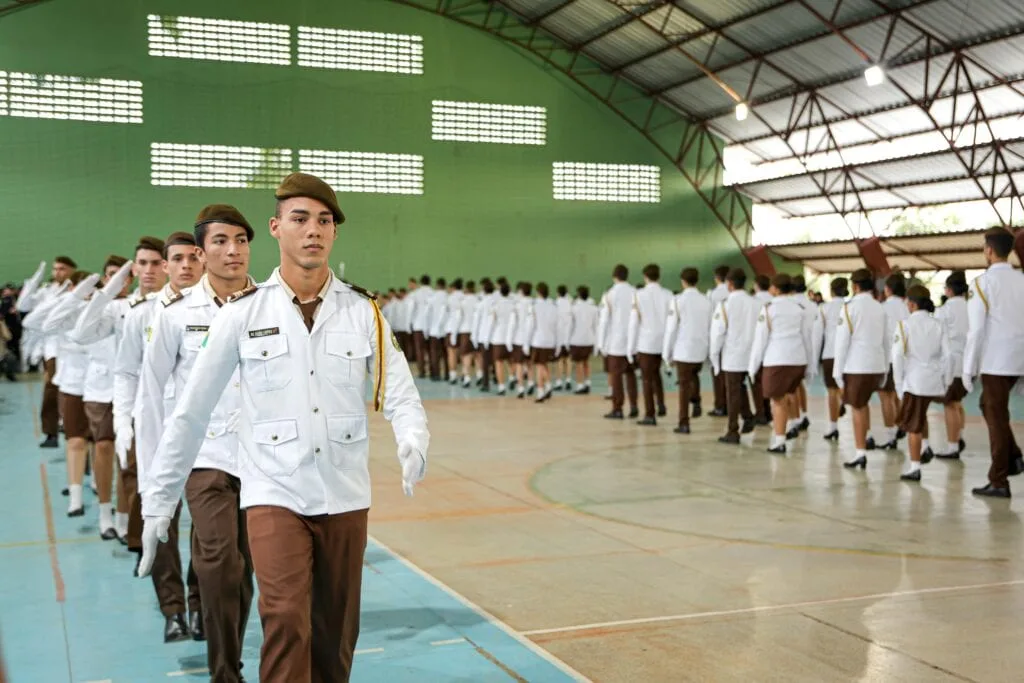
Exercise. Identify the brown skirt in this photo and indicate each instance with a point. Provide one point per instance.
(859, 388)
(778, 381)
(956, 392)
(499, 352)
(914, 412)
(72, 411)
(890, 382)
(541, 355)
(581, 353)
(101, 420)
(828, 366)
(517, 354)
(463, 343)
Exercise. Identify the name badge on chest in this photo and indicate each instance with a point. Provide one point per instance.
(265, 332)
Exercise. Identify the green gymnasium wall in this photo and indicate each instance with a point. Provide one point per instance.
(84, 189)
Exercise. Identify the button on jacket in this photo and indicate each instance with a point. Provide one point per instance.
(303, 441)
(861, 344)
(179, 329)
(688, 328)
(732, 332)
(995, 338)
(953, 314)
(647, 319)
(921, 361)
(613, 326)
(782, 336)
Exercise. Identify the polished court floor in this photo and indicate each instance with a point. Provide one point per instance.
(548, 544)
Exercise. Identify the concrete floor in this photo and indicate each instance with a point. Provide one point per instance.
(628, 553)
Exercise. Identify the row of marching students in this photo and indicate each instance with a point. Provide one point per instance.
(516, 336)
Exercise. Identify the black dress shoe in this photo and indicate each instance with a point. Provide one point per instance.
(175, 629)
(50, 442)
(948, 456)
(748, 426)
(614, 415)
(892, 445)
(195, 626)
(108, 534)
(792, 433)
(123, 540)
(911, 476)
(718, 412)
(662, 411)
(1016, 467)
(634, 412)
(900, 434)
(65, 491)
(696, 410)
(647, 422)
(781, 448)
(138, 560)
(927, 455)
(992, 491)
(804, 424)
(729, 438)
(870, 444)
(832, 436)
(77, 512)
(842, 411)
(761, 421)
(682, 429)
(861, 462)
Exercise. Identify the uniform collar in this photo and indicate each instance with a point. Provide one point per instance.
(322, 294)
(1002, 265)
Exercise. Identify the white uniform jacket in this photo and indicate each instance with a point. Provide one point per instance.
(953, 315)
(584, 323)
(826, 323)
(179, 326)
(99, 328)
(647, 319)
(861, 344)
(303, 440)
(921, 360)
(688, 328)
(467, 314)
(895, 311)
(520, 326)
(438, 304)
(72, 358)
(419, 314)
(542, 325)
(564, 306)
(995, 313)
(498, 327)
(453, 314)
(613, 326)
(732, 332)
(479, 335)
(782, 336)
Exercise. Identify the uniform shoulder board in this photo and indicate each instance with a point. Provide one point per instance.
(242, 293)
(173, 298)
(359, 290)
(135, 301)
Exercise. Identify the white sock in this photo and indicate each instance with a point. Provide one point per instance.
(479, 374)
(803, 415)
(924, 445)
(891, 431)
(586, 382)
(862, 453)
(106, 516)
(74, 496)
(121, 523)
(832, 426)
(778, 440)
(913, 467)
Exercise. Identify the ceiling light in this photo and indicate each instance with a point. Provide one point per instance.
(741, 111)
(874, 75)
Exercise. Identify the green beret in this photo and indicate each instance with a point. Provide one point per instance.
(223, 213)
(305, 185)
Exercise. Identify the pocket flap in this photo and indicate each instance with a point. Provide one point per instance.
(347, 345)
(346, 428)
(216, 429)
(275, 432)
(264, 348)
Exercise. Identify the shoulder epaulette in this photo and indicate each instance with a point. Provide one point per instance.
(135, 301)
(242, 293)
(359, 290)
(173, 298)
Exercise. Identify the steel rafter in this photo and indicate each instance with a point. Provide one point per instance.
(691, 147)
(15, 5)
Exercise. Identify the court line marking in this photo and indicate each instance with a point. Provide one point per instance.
(369, 651)
(490, 618)
(764, 608)
(453, 641)
(188, 672)
(51, 535)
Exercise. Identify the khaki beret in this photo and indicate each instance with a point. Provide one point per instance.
(223, 213)
(305, 185)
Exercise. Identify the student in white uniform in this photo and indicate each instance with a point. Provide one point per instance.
(782, 346)
(687, 341)
(717, 296)
(563, 373)
(612, 339)
(419, 317)
(895, 306)
(452, 316)
(861, 359)
(497, 331)
(647, 338)
(462, 329)
(583, 337)
(542, 333)
(762, 405)
(801, 422)
(435, 332)
(732, 336)
(826, 324)
(303, 343)
(922, 371)
(995, 353)
(481, 347)
(953, 314)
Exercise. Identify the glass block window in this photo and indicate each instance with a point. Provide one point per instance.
(365, 171)
(606, 182)
(219, 40)
(51, 96)
(330, 48)
(181, 165)
(482, 122)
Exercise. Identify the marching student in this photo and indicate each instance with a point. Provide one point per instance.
(522, 371)
(687, 342)
(582, 337)
(801, 421)
(895, 306)
(646, 338)
(481, 350)
(953, 313)
(419, 321)
(826, 323)
(861, 357)
(497, 330)
(762, 405)
(563, 375)
(437, 306)
(302, 344)
(182, 269)
(452, 323)
(732, 335)
(995, 352)
(717, 296)
(542, 334)
(782, 345)
(612, 340)
(922, 372)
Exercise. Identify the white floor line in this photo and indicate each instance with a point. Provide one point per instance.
(493, 620)
(453, 641)
(764, 608)
(188, 672)
(369, 651)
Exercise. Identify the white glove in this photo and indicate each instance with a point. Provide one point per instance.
(668, 360)
(812, 371)
(900, 393)
(509, 347)
(233, 418)
(36, 357)
(84, 288)
(715, 369)
(154, 529)
(118, 280)
(526, 351)
(839, 382)
(629, 358)
(414, 466)
(123, 443)
(451, 338)
(39, 271)
(968, 383)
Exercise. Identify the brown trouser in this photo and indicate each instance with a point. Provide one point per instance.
(736, 395)
(49, 412)
(310, 572)
(438, 357)
(619, 371)
(995, 406)
(650, 372)
(419, 342)
(408, 347)
(718, 385)
(130, 481)
(220, 555)
(486, 366)
(689, 386)
(761, 404)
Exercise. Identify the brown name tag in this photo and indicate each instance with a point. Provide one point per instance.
(266, 332)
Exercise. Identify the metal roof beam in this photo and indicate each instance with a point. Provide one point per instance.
(631, 16)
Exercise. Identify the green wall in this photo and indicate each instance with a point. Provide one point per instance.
(83, 188)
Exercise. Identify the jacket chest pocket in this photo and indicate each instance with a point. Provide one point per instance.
(264, 362)
(278, 450)
(193, 341)
(345, 358)
(347, 434)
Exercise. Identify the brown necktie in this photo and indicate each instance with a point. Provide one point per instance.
(308, 310)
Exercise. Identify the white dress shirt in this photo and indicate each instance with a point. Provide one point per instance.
(498, 327)
(861, 347)
(584, 323)
(953, 314)
(467, 313)
(542, 325)
(826, 323)
(564, 306)
(688, 328)
(651, 305)
(613, 326)
(921, 360)
(732, 332)
(453, 314)
(995, 313)
(303, 438)
(895, 311)
(438, 305)
(419, 314)
(782, 336)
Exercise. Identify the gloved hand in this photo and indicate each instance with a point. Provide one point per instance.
(233, 418)
(900, 393)
(526, 351)
(414, 466)
(509, 347)
(84, 288)
(629, 358)
(154, 530)
(839, 382)
(968, 383)
(812, 371)
(123, 443)
(118, 280)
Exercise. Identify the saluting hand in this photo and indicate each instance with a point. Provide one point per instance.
(154, 530)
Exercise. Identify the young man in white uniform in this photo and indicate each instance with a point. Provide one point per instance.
(687, 341)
